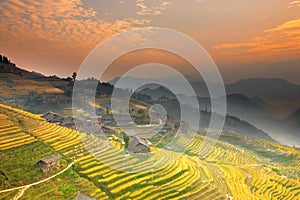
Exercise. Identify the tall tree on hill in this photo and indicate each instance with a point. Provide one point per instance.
(74, 75)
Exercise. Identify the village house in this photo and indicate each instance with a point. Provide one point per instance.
(107, 130)
(53, 117)
(169, 127)
(10, 98)
(97, 119)
(81, 196)
(108, 120)
(138, 145)
(50, 162)
(71, 122)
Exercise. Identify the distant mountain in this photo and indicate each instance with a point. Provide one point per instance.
(266, 88)
(131, 83)
(293, 121)
(232, 123)
(237, 104)
(245, 128)
(243, 101)
(157, 93)
(295, 116)
(244, 106)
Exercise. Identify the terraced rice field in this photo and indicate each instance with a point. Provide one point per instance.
(11, 135)
(228, 171)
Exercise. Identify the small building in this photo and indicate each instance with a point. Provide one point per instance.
(138, 145)
(168, 128)
(10, 98)
(107, 130)
(71, 122)
(81, 196)
(97, 119)
(53, 117)
(49, 115)
(50, 162)
(108, 120)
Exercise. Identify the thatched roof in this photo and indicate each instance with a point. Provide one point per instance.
(51, 159)
(83, 197)
(52, 117)
(70, 120)
(137, 140)
(49, 115)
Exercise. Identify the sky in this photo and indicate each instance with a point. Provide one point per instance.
(245, 38)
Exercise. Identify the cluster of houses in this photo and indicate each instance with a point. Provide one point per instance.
(136, 144)
(69, 122)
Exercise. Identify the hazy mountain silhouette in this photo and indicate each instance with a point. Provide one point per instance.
(295, 116)
(157, 92)
(264, 102)
(266, 88)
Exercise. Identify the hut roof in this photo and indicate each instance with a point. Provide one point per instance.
(52, 117)
(108, 117)
(70, 120)
(49, 115)
(96, 117)
(81, 196)
(51, 159)
(137, 140)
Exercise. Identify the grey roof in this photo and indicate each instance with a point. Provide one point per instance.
(96, 117)
(49, 115)
(107, 130)
(52, 117)
(83, 197)
(57, 119)
(108, 117)
(70, 120)
(137, 140)
(51, 159)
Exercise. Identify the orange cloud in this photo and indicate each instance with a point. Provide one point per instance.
(278, 43)
(153, 7)
(294, 4)
(60, 23)
(54, 36)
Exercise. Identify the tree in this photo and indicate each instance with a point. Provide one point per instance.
(5, 60)
(126, 140)
(69, 79)
(74, 75)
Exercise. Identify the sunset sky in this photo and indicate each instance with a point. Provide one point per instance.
(246, 38)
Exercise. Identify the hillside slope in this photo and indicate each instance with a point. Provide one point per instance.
(237, 167)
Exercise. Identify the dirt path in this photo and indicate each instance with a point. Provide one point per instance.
(36, 183)
(20, 193)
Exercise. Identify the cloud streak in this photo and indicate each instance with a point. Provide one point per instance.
(294, 4)
(282, 41)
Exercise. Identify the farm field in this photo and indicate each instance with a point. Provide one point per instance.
(236, 168)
